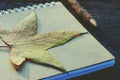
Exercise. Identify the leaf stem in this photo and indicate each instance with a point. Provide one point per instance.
(80, 34)
(4, 47)
(9, 46)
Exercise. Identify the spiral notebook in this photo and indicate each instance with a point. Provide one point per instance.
(80, 56)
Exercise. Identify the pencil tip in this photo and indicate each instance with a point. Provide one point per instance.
(93, 21)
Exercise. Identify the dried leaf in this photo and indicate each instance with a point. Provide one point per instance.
(25, 44)
(25, 28)
(16, 58)
(48, 40)
(42, 56)
(3, 32)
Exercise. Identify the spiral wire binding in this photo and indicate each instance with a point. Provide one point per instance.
(33, 7)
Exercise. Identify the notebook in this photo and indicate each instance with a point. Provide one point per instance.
(79, 56)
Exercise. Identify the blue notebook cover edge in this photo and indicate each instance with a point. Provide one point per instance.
(82, 71)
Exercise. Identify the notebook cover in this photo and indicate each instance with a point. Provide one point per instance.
(79, 53)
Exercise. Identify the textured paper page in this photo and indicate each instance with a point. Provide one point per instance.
(78, 53)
